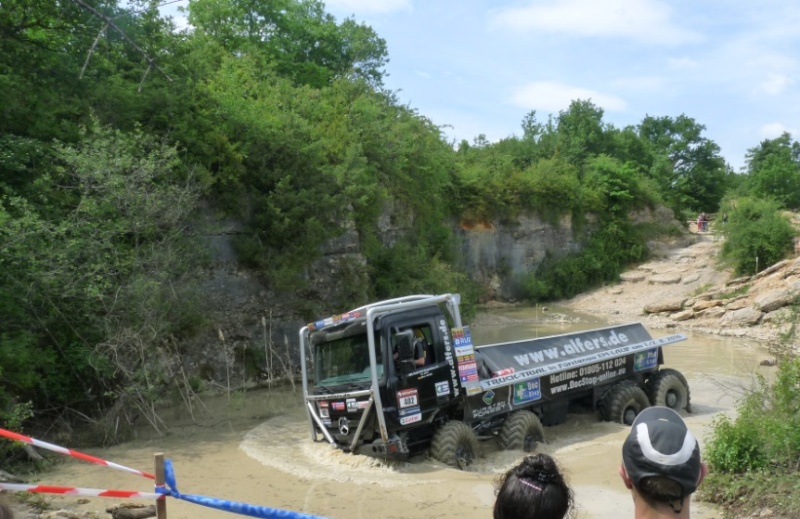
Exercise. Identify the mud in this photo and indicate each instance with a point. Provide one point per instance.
(259, 451)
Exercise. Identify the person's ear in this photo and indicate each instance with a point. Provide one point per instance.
(703, 473)
(625, 478)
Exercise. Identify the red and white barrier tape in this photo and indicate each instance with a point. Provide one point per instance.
(75, 491)
(70, 452)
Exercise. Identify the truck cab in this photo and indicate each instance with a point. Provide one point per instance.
(371, 385)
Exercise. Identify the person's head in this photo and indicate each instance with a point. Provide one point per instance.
(534, 489)
(5, 511)
(661, 459)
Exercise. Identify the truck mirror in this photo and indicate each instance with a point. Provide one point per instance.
(405, 351)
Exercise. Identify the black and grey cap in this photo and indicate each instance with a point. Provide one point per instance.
(660, 444)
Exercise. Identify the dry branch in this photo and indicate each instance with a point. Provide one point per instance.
(109, 22)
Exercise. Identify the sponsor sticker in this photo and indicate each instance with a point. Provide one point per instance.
(645, 360)
(337, 406)
(488, 397)
(527, 391)
(442, 388)
(352, 406)
(407, 398)
(411, 419)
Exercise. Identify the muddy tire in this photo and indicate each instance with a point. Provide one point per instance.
(622, 402)
(455, 444)
(668, 387)
(522, 430)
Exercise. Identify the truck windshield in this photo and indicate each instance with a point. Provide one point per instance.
(344, 360)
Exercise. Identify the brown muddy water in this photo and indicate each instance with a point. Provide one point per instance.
(258, 449)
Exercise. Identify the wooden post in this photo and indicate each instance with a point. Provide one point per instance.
(161, 502)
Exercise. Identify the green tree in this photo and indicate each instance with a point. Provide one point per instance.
(112, 216)
(773, 171)
(687, 166)
(296, 37)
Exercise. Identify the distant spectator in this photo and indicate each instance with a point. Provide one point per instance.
(534, 489)
(661, 464)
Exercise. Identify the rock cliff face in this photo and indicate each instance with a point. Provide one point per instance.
(499, 256)
(252, 332)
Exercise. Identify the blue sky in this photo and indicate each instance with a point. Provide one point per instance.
(478, 66)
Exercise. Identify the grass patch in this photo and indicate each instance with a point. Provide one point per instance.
(747, 494)
(736, 292)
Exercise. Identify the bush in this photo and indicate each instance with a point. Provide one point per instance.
(757, 234)
(766, 432)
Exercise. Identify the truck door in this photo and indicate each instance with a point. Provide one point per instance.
(422, 373)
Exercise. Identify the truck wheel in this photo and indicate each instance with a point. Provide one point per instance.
(622, 402)
(668, 387)
(521, 431)
(455, 444)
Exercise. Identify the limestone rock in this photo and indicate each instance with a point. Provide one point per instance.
(737, 281)
(747, 316)
(793, 269)
(691, 278)
(666, 279)
(702, 305)
(778, 298)
(632, 276)
(683, 316)
(673, 305)
(713, 312)
(771, 269)
(779, 316)
(737, 304)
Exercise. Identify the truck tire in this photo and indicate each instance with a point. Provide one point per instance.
(522, 430)
(455, 444)
(668, 387)
(622, 402)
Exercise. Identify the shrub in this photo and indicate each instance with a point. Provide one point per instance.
(766, 431)
(757, 234)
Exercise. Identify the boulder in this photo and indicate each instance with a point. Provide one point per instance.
(747, 316)
(778, 298)
(779, 316)
(674, 305)
(682, 316)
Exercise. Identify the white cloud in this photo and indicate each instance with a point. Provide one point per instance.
(775, 130)
(774, 84)
(369, 6)
(646, 21)
(551, 97)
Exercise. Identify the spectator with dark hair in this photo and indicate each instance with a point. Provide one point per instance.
(661, 464)
(534, 489)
